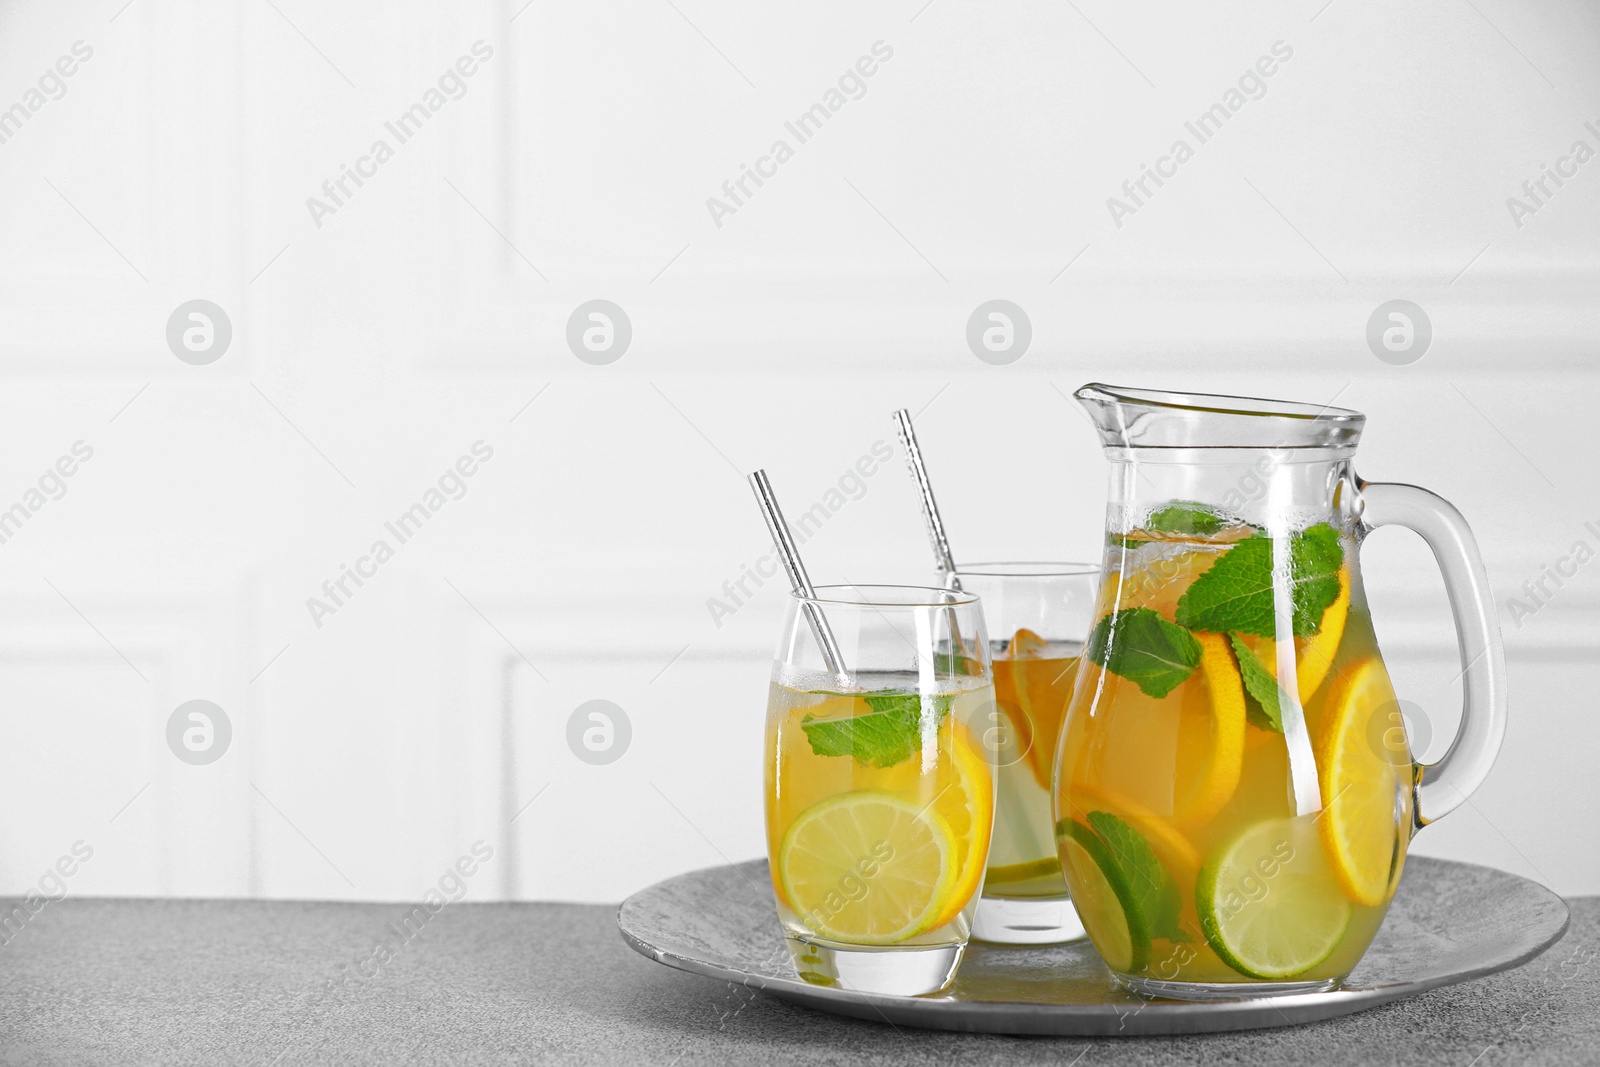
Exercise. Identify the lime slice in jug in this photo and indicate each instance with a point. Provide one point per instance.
(1105, 902)
(1269, 904)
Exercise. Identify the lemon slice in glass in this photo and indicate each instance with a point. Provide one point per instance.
(1172, 847)
(968, 808)
(1359, 786)
(1313, 655)
(1211, 789)
(868, 868)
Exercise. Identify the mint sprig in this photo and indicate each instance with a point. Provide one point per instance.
(956, 663)
(1141, 646)
(1144, 887)
(1237, 592)
(881, 737)
(1263, 704)
(1155, 892)
(1185, 517)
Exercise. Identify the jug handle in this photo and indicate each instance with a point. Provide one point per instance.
(1443, 786)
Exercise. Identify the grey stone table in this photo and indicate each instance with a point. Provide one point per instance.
(222, 982)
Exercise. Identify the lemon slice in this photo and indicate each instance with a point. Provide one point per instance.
(1358, 822)
(1158, 584)
(1043, 685)
(968, 807)
(1011, 691)
(868, 868)
(1219, 778)
(1269, 906)
(1025, 644)
(1314, 654)
(1171, 846)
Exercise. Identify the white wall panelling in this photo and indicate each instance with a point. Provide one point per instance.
(426, 313)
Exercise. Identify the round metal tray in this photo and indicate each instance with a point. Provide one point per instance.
(1450, 922)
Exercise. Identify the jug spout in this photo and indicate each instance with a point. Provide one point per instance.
(1150, 418)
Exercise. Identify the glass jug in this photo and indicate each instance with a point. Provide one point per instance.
(1234, 793)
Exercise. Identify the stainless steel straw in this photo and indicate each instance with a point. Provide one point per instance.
(797, 572)
(930, 510)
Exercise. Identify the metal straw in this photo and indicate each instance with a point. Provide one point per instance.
(797, 572)
(930, 510)
(942, 559)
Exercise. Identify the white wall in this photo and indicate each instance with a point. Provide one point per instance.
(372, 351)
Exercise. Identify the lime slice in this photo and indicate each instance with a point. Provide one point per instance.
(1269, 904)
(1105, 902)
(868, 868)
(1021, 872)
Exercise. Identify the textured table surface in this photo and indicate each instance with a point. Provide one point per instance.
(221, 982)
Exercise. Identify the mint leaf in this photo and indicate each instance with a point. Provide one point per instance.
(1144, 648)
(1263, 705)
(956, 663)
(1236, 593)
(1185, 517)
(889, 733)
(1153, 889)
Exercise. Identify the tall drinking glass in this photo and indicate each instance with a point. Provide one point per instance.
(1039, 615)
(879, 791)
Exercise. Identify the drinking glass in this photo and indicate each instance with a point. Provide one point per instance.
(879, 791)
(1039, 614)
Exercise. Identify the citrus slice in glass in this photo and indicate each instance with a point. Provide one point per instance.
(1160, 583)
(1269, 906)
(967, 807)
(1041, 684)
(1212, 784)
(1011, 693)
(1170, 845)
(1359, 785)
(1105, 902)
(1022, 872)
(1313, 654)
(1025, 644)
(868, 868)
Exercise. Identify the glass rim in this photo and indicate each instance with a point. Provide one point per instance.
(931, 596)
(1037, 569)
(1157, 420)
(1225, 404)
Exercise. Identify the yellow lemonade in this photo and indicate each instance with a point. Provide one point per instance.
(1032, 682)
(879, 806)
(1218, 823)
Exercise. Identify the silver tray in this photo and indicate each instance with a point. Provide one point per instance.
(1450, 922)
